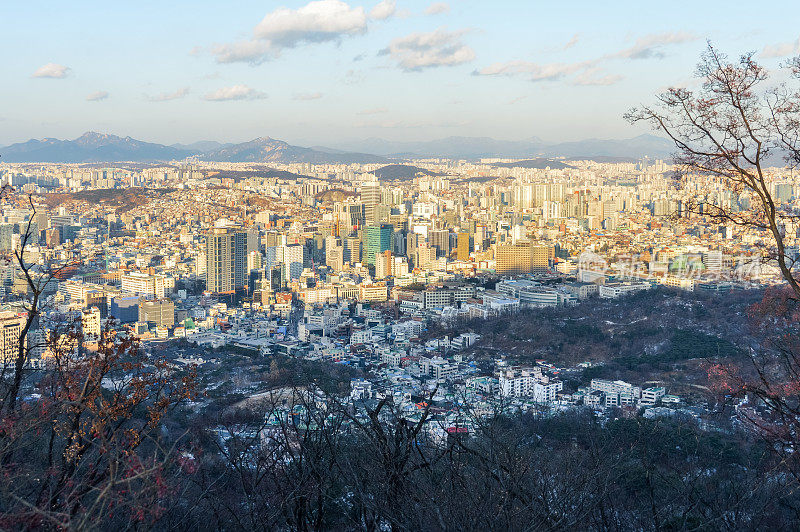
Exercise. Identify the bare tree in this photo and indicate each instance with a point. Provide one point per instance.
(80, 437)
(728, 133)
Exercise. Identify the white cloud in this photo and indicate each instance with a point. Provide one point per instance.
(533, 71)
(383, 10)
(307, 96)
(427, 50)
(587, 72)
(253, 52)
(97, 96)
(582, 73)
(650, 46)
(167, 96)
(236, 92)
(52, 70)
(316, 22)
(783, 49)
(437, 8)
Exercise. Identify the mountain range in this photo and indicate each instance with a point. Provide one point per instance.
(267, 150)
(92, 147)
(89, 147)
(479, 147)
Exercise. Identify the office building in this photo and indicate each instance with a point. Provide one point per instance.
(521, 257)
(90, 322)
(379, 239)
(160, 312)
(11, 325)
(463, 247)
(145, 285)
(370, 199)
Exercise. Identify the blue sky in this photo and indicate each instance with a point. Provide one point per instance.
(327, 71)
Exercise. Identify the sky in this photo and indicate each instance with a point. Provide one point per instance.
(330, 71)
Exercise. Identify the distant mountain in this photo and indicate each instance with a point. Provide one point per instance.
(533, 148)
(267, 150)
(94, 147)
(202, 146)
(604, 159)
(637, 147)
(449, 148)
(534, 163)
(89, 148)
(401, 171)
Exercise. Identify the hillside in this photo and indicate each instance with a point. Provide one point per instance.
(403, 172)
(653, 335)
(334, 195)
(264, 172)
(123, 199)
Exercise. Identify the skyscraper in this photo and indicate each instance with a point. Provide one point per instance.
(440, 239)
(227, 249)
(289, 258)
(370, 198)
(379, 239)
(462, 249)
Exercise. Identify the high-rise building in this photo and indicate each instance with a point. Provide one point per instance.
(90, 321)
(124, 309)
(346, 217)
(293, 259)
(220, 259)
(142, 284)
(254, 261)
(6, 231)
(370, 198)
(425, 256)
(227, 249)
(334, 253)
(440, 239)
(712, 260)
(462, 248)
(11, 325)
(289, 258)
(521, 257)
(383, 264)
(352, 250)
(379, 239)
(540, 257)
(158, 311)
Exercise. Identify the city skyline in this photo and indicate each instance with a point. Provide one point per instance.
(328, 71)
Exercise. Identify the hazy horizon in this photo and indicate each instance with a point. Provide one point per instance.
(333, 143)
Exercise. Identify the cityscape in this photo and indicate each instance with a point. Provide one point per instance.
(390, 326)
